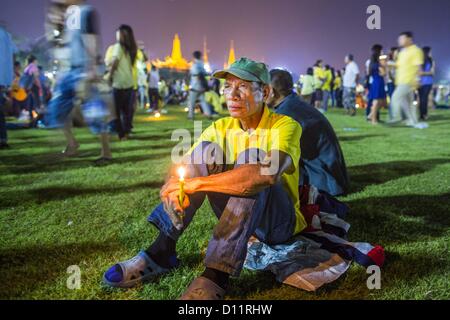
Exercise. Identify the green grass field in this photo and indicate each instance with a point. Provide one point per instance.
(57, 212)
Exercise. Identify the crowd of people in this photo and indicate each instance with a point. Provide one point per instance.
(399, 81)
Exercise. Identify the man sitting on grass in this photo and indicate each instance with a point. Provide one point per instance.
(322, 161)
(247, 166)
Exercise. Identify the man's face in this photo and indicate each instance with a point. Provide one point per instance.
(244, 98)
(403, 41)
(347, 60)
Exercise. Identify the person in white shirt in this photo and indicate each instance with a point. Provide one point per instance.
(351, 77)
(198, 87)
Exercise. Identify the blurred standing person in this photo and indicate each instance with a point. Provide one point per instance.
(7, 51)
(327, 86)
(198, 87)
(142, 84)
(124, 55)
(407, 72)
(30, 81)
(351, 77)
(337, 89)
(307, 84)
(390, 77)
(138, 61)
(319, 80)
(426, 82)
(79, 50)
(19, 95)
(153, 88)
(377, 91)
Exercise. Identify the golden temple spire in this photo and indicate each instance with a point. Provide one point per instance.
(176, 48)
(176, 60)
(232, 55)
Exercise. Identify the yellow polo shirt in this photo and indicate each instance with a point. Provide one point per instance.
(274, 132)
(319, 74)
(329, 78)
(408, 64)
(112, 52)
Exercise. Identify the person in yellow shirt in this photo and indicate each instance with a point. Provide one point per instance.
(213, 99)
(121, 61)
(248, 166)
(319, 80)
(307, 85)
(327, 87)
(407, 73)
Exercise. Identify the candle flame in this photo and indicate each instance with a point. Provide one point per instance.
(181, 172)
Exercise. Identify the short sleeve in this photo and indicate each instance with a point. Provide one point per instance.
(285, 137)
(418, 58)
(116, 52)
(210, 135)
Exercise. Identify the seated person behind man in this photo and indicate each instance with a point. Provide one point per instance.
(252, 142)
(322, 161)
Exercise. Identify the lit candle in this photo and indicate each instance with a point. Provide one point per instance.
(181, 173)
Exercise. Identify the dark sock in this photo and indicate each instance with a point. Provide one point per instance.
(163, 250)
(218, 277)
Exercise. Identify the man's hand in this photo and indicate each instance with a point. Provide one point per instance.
(170, 199)
(173, 184)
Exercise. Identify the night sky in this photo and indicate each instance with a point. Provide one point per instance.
(282, 33)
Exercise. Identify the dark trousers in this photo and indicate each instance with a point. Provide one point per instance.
(269, 215)
(123, 99)
(424, 93)
(390, 92)
(153, 95)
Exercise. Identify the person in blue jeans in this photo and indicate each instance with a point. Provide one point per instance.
(252, 142)
(426, 82)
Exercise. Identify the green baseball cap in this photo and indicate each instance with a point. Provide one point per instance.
(246, 69)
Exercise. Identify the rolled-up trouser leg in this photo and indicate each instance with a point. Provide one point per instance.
(269, 215)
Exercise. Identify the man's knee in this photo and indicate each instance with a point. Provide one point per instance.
(250, 156)
(207, 158)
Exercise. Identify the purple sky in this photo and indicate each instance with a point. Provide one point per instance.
(289, 33)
